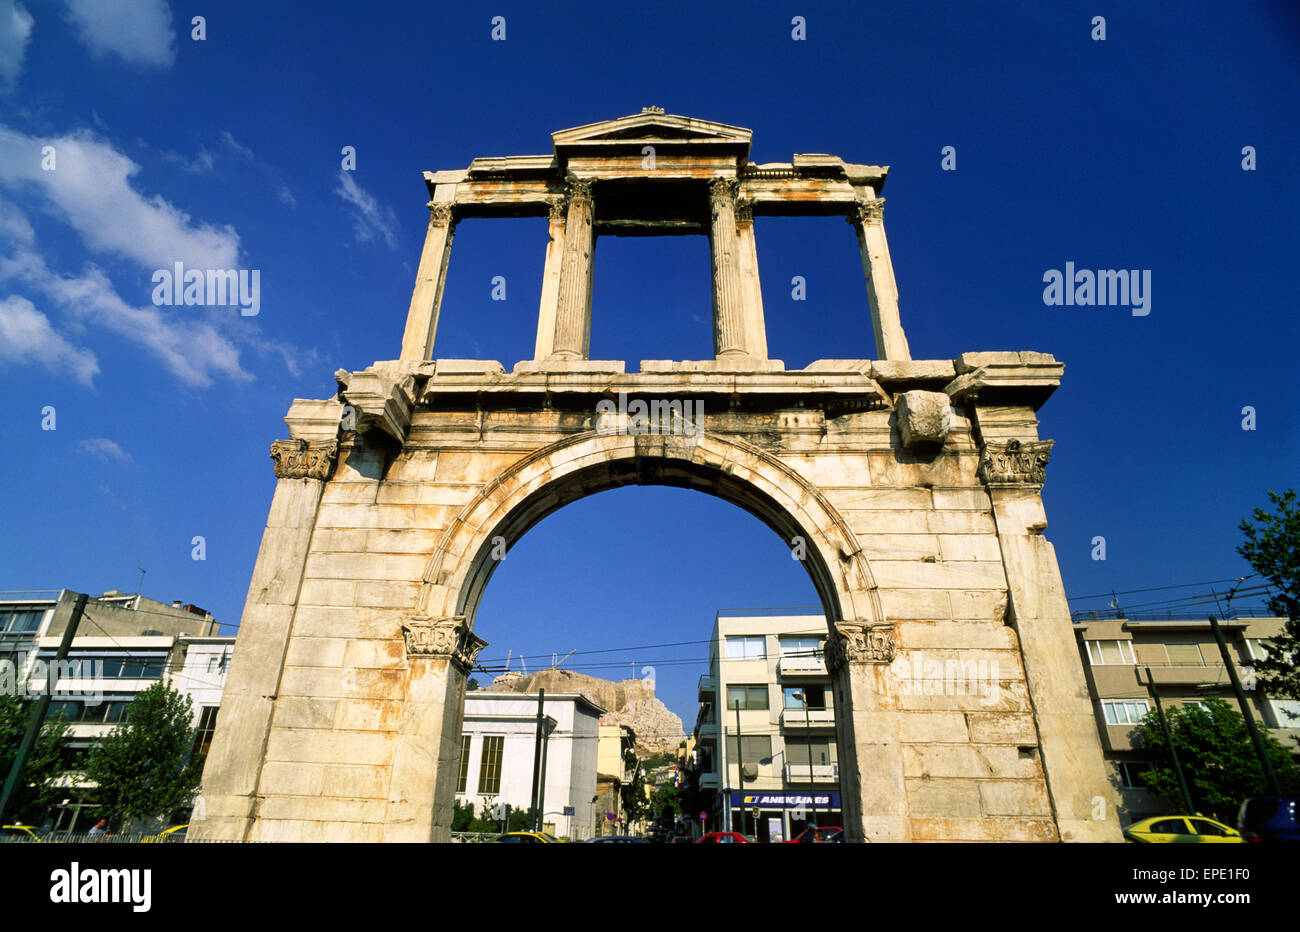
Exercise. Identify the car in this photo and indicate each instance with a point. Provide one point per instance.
(1181, 829)
(174, 835)
(19, 833)
(619, 840)
(527, 838)
(723, 838)
(821, 834)
(1270, 818)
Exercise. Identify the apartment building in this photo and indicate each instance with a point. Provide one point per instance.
(765, 757)
(1129, 661)
(498, 740)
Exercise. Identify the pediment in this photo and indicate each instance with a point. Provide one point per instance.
(652, 126)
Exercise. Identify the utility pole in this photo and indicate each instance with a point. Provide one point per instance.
(1245, 709)
(802, 696)
(1169, 740)
(40, 706)
(740, 768)
(537, 752)
(541, 783)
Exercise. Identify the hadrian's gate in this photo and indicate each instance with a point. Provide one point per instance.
(913, 488)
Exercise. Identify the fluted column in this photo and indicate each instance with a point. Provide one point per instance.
(728, 291)
(573, 307)
(550, 281)
(426, 299)
(755, 326)
(868, 220)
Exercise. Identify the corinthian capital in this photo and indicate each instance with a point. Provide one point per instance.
(442, 212)
(721, 189)
(859, 643)
(446, 637)
(864, 212)
(577, 189)
(1012, 462)
(304, 459)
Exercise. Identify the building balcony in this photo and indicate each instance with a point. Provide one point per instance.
(1210, 674)
(708, 686)
(810, 718)
(821, 773)
(710, 781)
(801, 666)
(706, 733)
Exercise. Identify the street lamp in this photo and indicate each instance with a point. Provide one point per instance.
(799, 694)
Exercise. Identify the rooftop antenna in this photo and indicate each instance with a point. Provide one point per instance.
(508, 653)
(565, 657)
(523, 665)
(140, 586)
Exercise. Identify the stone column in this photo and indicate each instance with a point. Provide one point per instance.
(1083, 800)
(573, 307)
(234, 766)
(550, 281)
(426, 299)
(873, 795)
(440, 652)
(868, 220)
(729, 338)
(755, 327)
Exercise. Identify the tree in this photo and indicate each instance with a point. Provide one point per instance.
(632, 795)
(36, 794)
(665, 804)
(1217, 757)
(1272, 549)
(145, 767)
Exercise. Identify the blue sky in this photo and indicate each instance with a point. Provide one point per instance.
(1124, 153)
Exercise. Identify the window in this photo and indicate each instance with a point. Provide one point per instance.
(747, 697)
(108, 712)
(823, 751)
(1257, 648)
(801, 646)
(1104, 653)
(747, 648)
(1125, 712)
(757, 749)
(1130, 774)
(129, 667)
(815, 697)
(462, 776)
(1206, 827)
(1185, 654)
(219, 664)
(1169, 827)
(21, 621)
(489, 772)
(207, 728)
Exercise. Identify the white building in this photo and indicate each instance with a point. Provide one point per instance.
(768, 681)
(497, 752)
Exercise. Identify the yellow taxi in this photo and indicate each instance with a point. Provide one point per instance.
(527, 838)
(174, 835)
(1181, 829)
(19, 832)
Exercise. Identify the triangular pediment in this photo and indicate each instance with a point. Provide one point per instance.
(650, 126)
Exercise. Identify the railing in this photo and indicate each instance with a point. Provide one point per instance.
(83, 838)
(821, 773)
(810, 718)
(801, 666)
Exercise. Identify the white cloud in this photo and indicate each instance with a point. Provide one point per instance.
(139, 32)
(371, 217)
(14, 226)
(191, 347)
(285, 196)
(15, 30)
(233, 145)
(105, 449)
(27, 336)
(91, 189)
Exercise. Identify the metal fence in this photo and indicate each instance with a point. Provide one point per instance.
(122, 838)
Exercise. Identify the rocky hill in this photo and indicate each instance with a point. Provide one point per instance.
(630, 702)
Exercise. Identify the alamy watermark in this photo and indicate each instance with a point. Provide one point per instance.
(179, 286)
(918, 675)
(1102, 288)
(82, 678)
(657, 416)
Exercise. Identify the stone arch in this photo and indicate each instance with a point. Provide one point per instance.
(575, 467)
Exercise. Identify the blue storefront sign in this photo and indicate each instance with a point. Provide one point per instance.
(785, 800)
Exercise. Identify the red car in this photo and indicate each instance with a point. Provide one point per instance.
(723, 838)
(823, 834)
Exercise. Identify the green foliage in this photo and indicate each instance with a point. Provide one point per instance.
(35, 795)
(633, 796)
(1272, 549)
(1217, 757)
(665, 804)
(144, 767)
(463, 819)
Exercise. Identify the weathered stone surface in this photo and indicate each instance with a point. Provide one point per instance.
(924, 418)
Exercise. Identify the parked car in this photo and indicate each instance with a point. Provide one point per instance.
(19, 833)
(619, 840)
(174, 835)
(1181, 830)
(723, 838)
(822, 834)
(1270, 818)
(527, 838)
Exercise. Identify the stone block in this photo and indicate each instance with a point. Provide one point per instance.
(1003, 728)
(946, 799)
(924, 418)
(1015, 798)
(933, 727)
